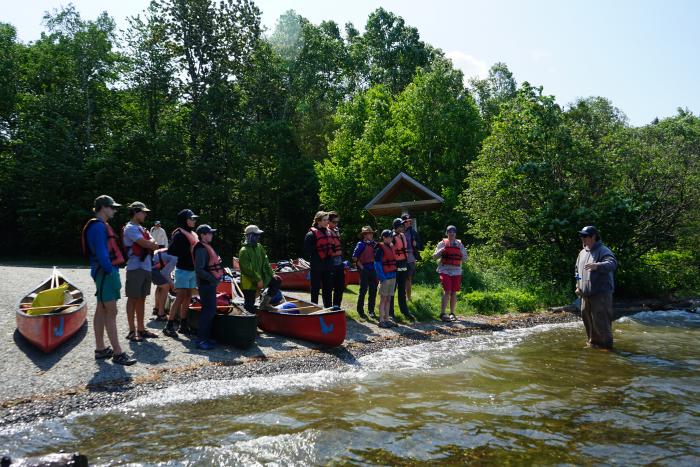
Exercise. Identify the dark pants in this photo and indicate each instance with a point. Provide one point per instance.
(596, 312)
(338, 284)
(207, 295)
(368, 280)
(401, 289)
(322, 281)
(249, 295)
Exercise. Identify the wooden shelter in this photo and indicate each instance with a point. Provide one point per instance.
(403, 194)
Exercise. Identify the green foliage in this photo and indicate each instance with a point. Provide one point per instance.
(662, 274)
(506, 301)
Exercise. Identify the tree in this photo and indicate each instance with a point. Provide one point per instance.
(493, 91)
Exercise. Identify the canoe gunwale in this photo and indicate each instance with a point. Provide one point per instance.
(78, 307)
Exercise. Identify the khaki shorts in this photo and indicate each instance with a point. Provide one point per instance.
(138, 283)
(386, 288)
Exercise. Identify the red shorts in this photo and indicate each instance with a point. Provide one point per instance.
(451, 283)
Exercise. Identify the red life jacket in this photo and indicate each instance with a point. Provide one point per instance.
(336, 248)
(451, 255)
(324, 247)
(400, 247)
(191, 237)
(135, 249)
(388, 258)
(115, 253)
(215, 266)
(367, 255)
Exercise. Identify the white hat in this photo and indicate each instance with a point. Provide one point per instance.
(252, 229)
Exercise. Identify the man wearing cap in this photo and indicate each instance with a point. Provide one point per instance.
(595, 284)
(363, 257)
(209, 271)
(159, 235)
(450, 253)
(139, 247)
(256, 272)
(400, 252)
(182, 243)
(100, 244)
(413, 247)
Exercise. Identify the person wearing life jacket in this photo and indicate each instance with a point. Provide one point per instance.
(363, 258)
(182, 242)
(337, 255)
(400, 244)
(318, 251)
(139, 248)
(385, 268)
(450, 254)
(101, 246)
(161, 272)
(256, 272)
(209, 270)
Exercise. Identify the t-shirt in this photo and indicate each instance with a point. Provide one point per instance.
(133, 232)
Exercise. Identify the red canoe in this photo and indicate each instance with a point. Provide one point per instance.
(307, 321)
(48, 331)
(295, 275)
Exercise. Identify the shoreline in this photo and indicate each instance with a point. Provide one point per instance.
(112, 393)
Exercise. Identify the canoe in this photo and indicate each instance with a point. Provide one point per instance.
(57, 324)
(232, 325)
(296, 274)
(307, 321)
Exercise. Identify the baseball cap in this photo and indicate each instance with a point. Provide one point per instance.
(105, 201)
(187, 214)
(387, 233)
(204, 229)
(451, 227)
(253, 229)
(398, 222)
(137, 206)
(588, 231)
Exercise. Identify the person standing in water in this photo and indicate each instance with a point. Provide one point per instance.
(595, 284)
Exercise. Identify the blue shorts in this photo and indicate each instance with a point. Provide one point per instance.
(185, 279)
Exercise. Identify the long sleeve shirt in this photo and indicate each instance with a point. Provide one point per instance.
(255, 266)
(201, 261)
(601, 280)
(159, 236)
(99, 254)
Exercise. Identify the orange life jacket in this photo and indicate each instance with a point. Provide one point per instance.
(451, 255)
(336, 249)
(190, 236)
(215, 266)
(400, 244)
(135, 249)
(388, 258)
(367, 255)
(115, 253)
(324, 248)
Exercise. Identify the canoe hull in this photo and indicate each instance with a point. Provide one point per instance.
(327, 328)
(48, 331)
(301, 278)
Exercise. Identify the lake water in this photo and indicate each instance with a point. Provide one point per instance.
(515, 397)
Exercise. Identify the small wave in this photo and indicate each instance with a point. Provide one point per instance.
(665, 317)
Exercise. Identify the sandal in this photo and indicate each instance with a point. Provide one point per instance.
(444, 318)
(123, 359)
(133, 336)
(147, 334)
(104, 353)
(452, 317)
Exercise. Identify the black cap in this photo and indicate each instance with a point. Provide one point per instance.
(103, 201)
(398, 222)
(187, 214)
(387, 233)
(588, 231)
(405, 216)
(204, 229)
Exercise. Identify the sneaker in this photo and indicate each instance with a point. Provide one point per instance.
(107, 352)
(169, 330)
(362, 314)
(205, 345)
(123, 359)
(184, 328)
(409, 315)
(372, 315)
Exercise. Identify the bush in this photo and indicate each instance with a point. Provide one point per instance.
(661, 274)
(505, 301)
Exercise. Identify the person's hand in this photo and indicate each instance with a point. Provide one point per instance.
(591, 266)
(276, 277)
(260, 284)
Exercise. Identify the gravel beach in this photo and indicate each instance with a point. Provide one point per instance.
(69, 380)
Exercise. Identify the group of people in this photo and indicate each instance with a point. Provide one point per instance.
(186, 262)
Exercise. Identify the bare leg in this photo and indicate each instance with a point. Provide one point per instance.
(98, 324)
(453, 302)
(131, 312)
(185, 303)
(140, 306)
(180, 296)
(111, 325)
(445, 298)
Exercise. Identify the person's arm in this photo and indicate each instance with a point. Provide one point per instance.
(97, 241)
(170, 263)
(201, 259)
(608, 262)
(465, 256)
(134, 234)
(378, 268)
(266, 263)
(438, 250)
(309, 245)
(245, 262)
(359, 248)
